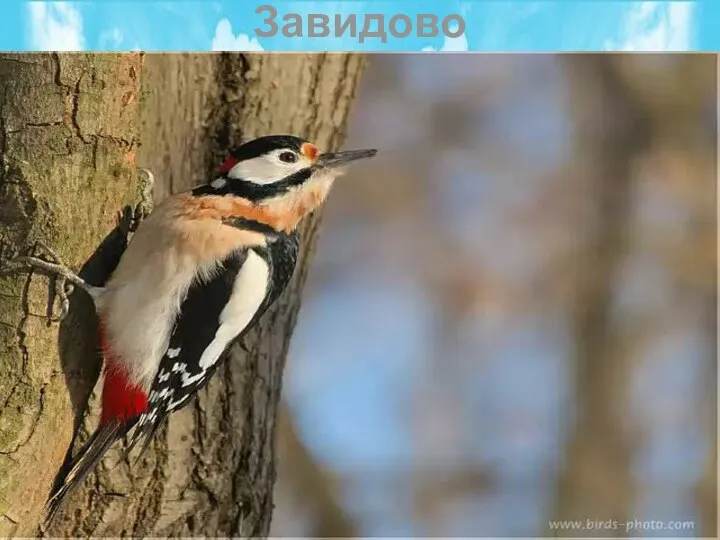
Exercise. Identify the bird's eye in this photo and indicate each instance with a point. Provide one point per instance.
(288, 157)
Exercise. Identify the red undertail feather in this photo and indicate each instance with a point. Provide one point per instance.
(121, 400)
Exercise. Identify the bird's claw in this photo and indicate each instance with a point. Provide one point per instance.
(61, 278)
(147, 182)
(130, 218)
(125, 220)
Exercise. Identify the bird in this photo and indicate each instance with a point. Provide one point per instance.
(199, 271)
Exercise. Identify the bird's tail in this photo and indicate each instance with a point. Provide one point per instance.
(82, 464)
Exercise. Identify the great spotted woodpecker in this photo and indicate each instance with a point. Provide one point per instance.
(198, 273)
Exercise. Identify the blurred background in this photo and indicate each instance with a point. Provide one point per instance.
(510, 319)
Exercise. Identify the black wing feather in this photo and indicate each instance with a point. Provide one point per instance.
(283, 256)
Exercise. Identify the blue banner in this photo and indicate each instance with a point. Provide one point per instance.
(396, 25)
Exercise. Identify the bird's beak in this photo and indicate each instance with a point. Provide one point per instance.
(332, 160)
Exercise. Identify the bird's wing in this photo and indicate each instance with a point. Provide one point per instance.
(212, 317)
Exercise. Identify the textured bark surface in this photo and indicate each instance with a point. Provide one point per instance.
(68, 132)
(211, 470)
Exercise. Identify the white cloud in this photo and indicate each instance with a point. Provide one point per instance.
(112, 37)
(225, 40)
(655, 26)
(452, 44)
(456, 44)
(56, 26)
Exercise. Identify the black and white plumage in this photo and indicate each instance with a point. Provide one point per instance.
(215, 314)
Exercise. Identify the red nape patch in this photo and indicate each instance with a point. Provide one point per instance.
(121, 400)
(228, 164)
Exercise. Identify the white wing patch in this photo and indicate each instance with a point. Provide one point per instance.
(246, 298)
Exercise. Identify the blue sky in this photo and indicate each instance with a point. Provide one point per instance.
(490, 26)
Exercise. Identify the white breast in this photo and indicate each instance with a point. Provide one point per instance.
(139, 310)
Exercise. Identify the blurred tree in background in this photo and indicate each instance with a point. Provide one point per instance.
(511, 319)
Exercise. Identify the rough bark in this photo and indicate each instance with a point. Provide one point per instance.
(211, 470)
(68, 132)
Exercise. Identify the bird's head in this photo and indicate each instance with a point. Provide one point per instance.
(276, 167)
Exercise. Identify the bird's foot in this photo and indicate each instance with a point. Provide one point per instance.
(130, 218)
(63, 280)
(145, 206)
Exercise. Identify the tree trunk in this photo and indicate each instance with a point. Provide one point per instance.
(68, 132)
(595, 483)
(211, 469)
